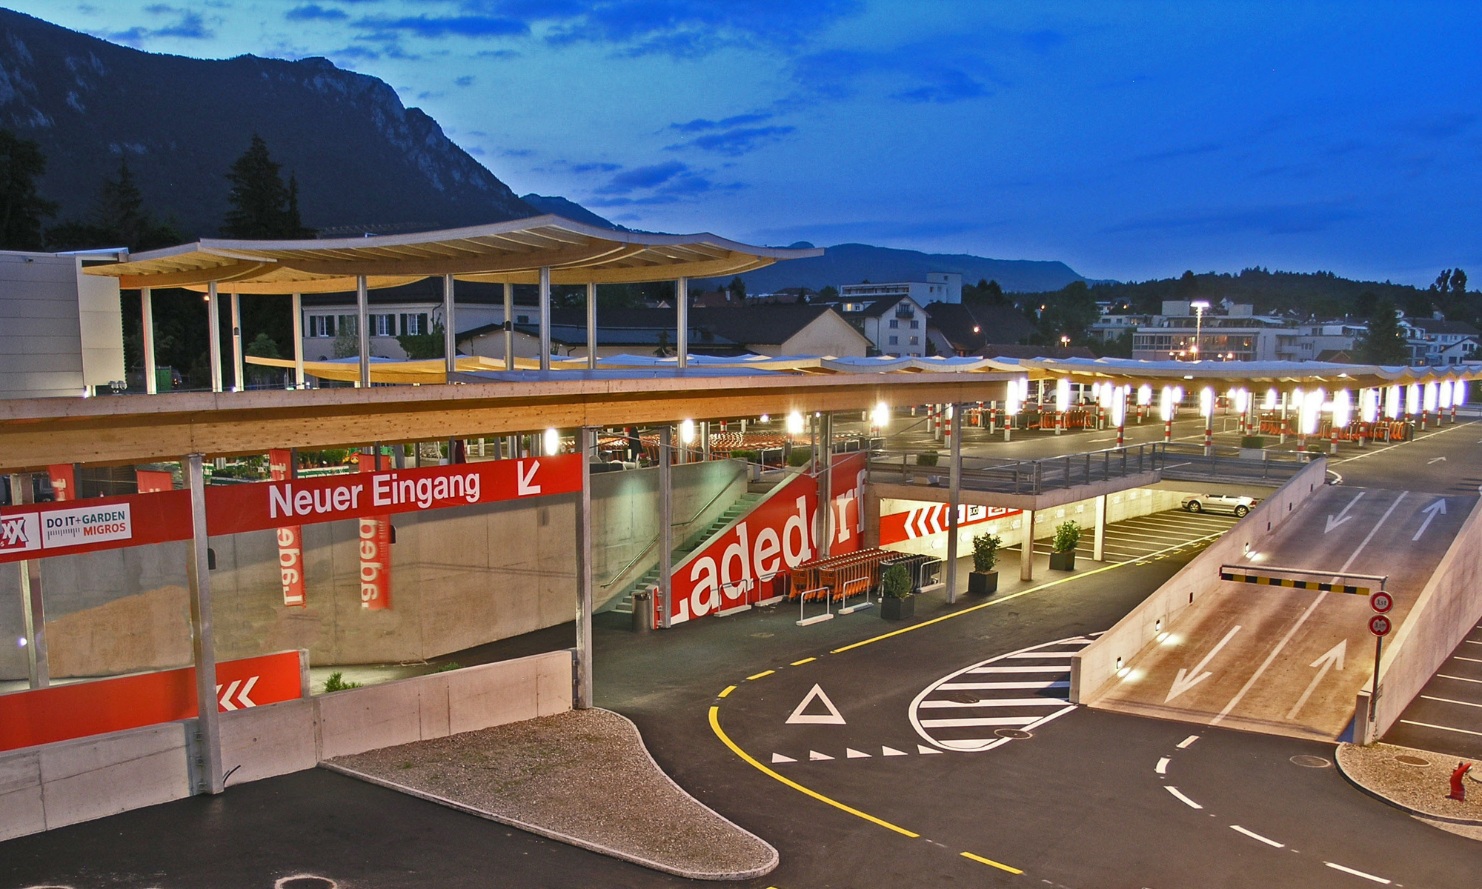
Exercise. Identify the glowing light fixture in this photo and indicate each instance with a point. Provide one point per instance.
(1342, 409)
(881, 415)
(1459, 393)
(1270, 403)
(1165, 405)
(1392, 402)
(1144, 395)
(795, 423)
(551, 442)
(687, 432)
(1369, 405)
(1432, 395)
(1412, 398)
(1443, 398)
(1062, 394)
(1206, 402)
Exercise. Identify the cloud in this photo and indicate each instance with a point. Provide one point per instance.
(947, 85)
(437, 27)
(465, 80)
(313, 12)
(908, 73)
(700, 125)
(1043, 41)
(595, 168)
(643, 177)
(1438, 127)
(187, 25)
(667, 183)
(735, 142)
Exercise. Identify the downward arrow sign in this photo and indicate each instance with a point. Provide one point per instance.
(1430, 512)
(1187, 679)
(523, 479)
(1332, 658)
(1343, 516)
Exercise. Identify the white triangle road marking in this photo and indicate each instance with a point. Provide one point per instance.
(891, 751)
(777, 757)
(815, 756)
(922, 748)
(851, 753)
(832, 717)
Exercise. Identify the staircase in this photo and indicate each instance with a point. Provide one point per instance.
(696, 540)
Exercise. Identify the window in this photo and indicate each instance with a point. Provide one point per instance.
(894, 340)
(321, 325)
(894, 324)
(382, 325)
(913, 340)
(915, 325)
(414, 324)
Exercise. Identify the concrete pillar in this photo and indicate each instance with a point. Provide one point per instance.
(666, 524)
(33, 605)
(362, 329)
(146, 312)
(954, 494)
(582, 697)
(591, 326)
(207, 747)
(213, 323)
(238, 383)
(682, 300)
(450, 328)
(1026, 552)
(1098, 545)
(509, 326)
(825, 486)
(545, 318)
(299, 380)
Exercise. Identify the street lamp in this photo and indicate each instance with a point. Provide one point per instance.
(1198, 305)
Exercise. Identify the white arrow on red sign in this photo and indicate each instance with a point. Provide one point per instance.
(523, 479)
(236, 696)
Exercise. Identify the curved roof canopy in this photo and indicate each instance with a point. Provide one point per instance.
(505, 252)
(1254, 373)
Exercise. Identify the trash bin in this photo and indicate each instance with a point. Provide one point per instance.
(642, 612)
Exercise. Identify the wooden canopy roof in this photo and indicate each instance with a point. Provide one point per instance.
(506, 252)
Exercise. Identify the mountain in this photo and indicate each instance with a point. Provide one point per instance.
(363, 161)
(568, 209)
(855, 263)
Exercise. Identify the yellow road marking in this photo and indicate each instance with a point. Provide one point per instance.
(761, 675)
(806, 660)
(727, 692)
(991, 863)
(754, 763)
(1011, 596)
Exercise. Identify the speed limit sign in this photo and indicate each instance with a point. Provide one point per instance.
(1381, 601)
(1379, 625)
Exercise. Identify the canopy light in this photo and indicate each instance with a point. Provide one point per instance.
(551, 442)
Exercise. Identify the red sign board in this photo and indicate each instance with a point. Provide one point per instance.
(375, 552)
(63, 712)
(744, 564)
(290, 538)
(63, 480)
(1381, 601)
(80, 526)
(151, 481)
(1379, 625)
(928, 519)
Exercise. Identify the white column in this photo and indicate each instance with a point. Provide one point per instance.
(238, 384)
(591, 326)
(509, 326)
(545, 318)
(362, 331)
(450, 328)
(582, 699)
(33, 604)
(666, 524)
(1026, 552)
(954, 500)
(203, 645)
(1098, 546)
(299, 379)
(682, 300)
(146, 311)
(213, 321)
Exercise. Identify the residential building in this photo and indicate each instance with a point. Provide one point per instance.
(894, 325)
(1234, 333)
(963, 329)
(415, 308)
(940, 287)
(1436, 342)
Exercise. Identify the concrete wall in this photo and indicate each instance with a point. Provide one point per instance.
(460, 577)
(1448, 608)
(1095, 666)
(46, 787)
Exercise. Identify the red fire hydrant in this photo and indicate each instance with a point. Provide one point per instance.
(1458, 792)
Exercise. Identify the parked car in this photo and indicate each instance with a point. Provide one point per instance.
(1231, 503)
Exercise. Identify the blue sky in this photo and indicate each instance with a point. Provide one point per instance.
(1129, 139)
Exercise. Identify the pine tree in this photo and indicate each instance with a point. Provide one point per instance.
(262, 207)
(21, 207)
(1384, 344)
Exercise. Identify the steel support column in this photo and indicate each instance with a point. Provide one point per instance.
(509, 326)
(362, 329)
(33, 604)
(545, 318)
(666, 523)
(238, 384)
(591, 326)
(1026, 552)
(582, 697)
(213, 321)
(682, 301)
(1098, 545)
(208, 777)
(299, 379)
(146, 313)
(825, 486)
(954, 501)
(450, 328)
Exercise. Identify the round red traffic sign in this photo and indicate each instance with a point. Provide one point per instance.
(1379, 625)
(1381, 601)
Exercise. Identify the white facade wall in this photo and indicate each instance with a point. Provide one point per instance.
(60, 330)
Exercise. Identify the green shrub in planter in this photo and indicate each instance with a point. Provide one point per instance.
(1067, 535)
(800, 457)
(1252, 442)
(927, 458)
(895, 583)
(985, 552)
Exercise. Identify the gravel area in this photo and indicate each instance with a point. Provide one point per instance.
(1416, 780)
(582, 777)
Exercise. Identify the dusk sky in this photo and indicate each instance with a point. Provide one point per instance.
(1131, 140)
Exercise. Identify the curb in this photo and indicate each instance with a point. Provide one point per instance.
(1419, 813)
(761, 870)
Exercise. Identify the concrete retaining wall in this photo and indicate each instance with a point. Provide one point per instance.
(58, 784)
(460, 577)
(1448, 608)
(1095, 666)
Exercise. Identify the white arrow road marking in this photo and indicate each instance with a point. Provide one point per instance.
(1430, 513)
(1162, 766)
(1343, 516)
(1435, 460)
(523, 479)
(1187, 679)
(777, 757)
(832, 717)
(815, 756)
(1333, 657)
(851, 753)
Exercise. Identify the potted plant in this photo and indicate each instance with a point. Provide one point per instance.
(1252, 447)
(1067, 535)
(983, 581)
(896, 602)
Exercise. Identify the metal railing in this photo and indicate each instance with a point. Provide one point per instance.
(1029, 477)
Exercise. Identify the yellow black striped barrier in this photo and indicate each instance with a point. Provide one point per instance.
(1267, 580)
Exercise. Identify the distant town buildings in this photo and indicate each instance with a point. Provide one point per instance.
(939, 287)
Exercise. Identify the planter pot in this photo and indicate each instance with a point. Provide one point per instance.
(1063, 561)
(982, 583)
(898, 609)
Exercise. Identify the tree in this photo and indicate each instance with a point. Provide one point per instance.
(262, 207)
(828, 292)
(737, 289)
(21, 207)
(118, 220)
(1384, 344)
(1458, 281)
(262, 346)
(423, 346)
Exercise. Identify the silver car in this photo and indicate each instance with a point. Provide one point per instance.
(1231, 503)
